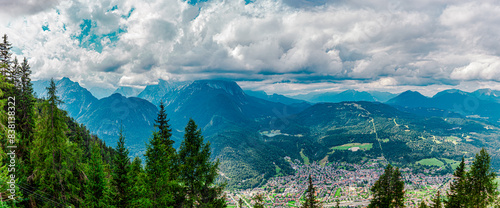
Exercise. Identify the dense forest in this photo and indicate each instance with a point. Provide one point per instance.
(47, 159)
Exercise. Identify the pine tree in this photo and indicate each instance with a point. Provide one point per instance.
(13, 73)
(5, 56)
(25, 120)
(436, 202)
(161, 164)
(52, 156)
(398, 186)
(197, 172)
(139, 189)
(458, 189)
(161, 122)
(25, 107)
(388, 190)
(481, 183)
(240, 203)
(97, 191)
(311, 201)
(259, 201)
(121, 182)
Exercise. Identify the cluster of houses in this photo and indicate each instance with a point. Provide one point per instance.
(347, 184)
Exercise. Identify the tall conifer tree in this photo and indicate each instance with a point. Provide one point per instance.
(388, 190)
(139, 190)
(121, 181)
(311, 201)
(52, 155)
(198, 173)
(161, 164)
(97, 191)
(5, 56)
(436, 202)
(458, 190)
(481, 185)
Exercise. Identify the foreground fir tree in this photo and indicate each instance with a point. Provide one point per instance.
(121, 182)
(480, 185)
(53, 158)
(139, 190)
(5, 56)
(97, 191)
(240, 203)
(458, 188)
(197, 172)
(388, 190)
(161, 166)
(311, 201)
(436, 202)
(25, 119)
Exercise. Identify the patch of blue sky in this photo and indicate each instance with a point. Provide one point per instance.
(115, 7)
(16, 51)
(88, 39)
(194, 2)
(129, 13)
(45, 28)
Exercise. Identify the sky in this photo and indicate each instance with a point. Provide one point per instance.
(279, 46)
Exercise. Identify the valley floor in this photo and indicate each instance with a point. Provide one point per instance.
(347, 183)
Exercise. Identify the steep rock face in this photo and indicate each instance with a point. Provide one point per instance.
(156, 93)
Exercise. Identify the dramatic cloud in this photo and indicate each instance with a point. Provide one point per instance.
(273, 45)
(18, 8)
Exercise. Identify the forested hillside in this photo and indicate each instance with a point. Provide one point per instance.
(47, 159)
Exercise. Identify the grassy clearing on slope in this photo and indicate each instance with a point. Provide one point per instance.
(304, 157)
(278, 169)
(324, 161)
(454, 164)
(363, 146)
(431, 162)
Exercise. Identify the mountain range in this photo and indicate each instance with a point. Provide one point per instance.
(255, 134)
(348, 95)
(481, 104)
